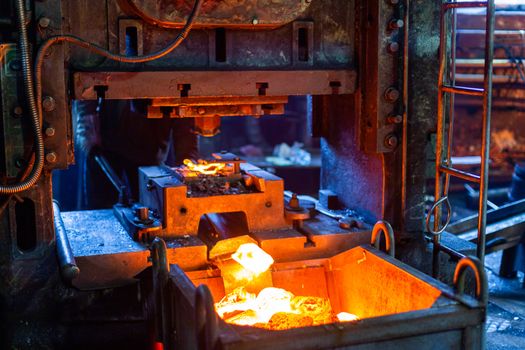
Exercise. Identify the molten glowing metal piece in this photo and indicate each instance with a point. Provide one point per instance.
(273, 308)
(346, 317)
(203, 167)
(276, 309)
(253, 258)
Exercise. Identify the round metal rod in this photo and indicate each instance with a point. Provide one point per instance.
(485, 142)
(68, 266)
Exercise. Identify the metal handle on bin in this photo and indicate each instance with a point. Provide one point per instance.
(159, 258)
(205, 319)
(383, 226)
(161, 269)
(479, 273)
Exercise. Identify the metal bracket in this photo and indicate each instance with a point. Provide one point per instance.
(383, 226)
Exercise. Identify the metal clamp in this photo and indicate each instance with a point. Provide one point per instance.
(161, 269)
(479, 273)
(433, 208)
(383, 226)
(205, 319)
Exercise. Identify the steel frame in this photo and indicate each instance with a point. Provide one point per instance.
(446, 85)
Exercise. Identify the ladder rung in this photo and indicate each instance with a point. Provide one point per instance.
(466, 4)
(463, 90)
(460, 173)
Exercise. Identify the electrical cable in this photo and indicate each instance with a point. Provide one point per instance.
(129, 6)
(38, 165)
(36, 106)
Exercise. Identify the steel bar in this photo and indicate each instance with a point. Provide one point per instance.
(439, 143)
(451, 252)
(460, 174)
(451, 100)
(485, 143)
(68, 266)
(494, 215)
(127, 85)
(463, 90)
(479, 63)
(466, 4)
(109, 172)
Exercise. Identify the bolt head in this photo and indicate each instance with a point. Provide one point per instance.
(50, 131)
(17, 111)
(393, 47)
(15, 65)
(51, 157)
(396, 24)
(201, 110)
(391, 94)
(344, 224)
(48, 103)
(255, 21)
(44, 22)
(395, 119)
(391, 141)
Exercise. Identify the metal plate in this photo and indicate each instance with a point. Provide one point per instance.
(223, 13)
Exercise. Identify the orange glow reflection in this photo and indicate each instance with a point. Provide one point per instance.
(346, 317)
(203, 167)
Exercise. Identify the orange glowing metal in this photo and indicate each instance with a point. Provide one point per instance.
(253, 258)
(203, 167)
(276, 309)
(273, 308)
(346, 317)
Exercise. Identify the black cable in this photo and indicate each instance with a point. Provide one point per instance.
(25, 58)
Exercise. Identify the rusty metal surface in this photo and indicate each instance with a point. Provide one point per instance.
(343, 159)
(122, 85)
(423, 46)
(108, 256)
(164, 193)
(217, 13)
(15, 155)
(333, 39)
(57, 114)
(381, 91)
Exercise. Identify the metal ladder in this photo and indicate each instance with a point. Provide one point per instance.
(447, 88)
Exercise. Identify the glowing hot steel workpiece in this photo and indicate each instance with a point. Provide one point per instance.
(253, 258)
